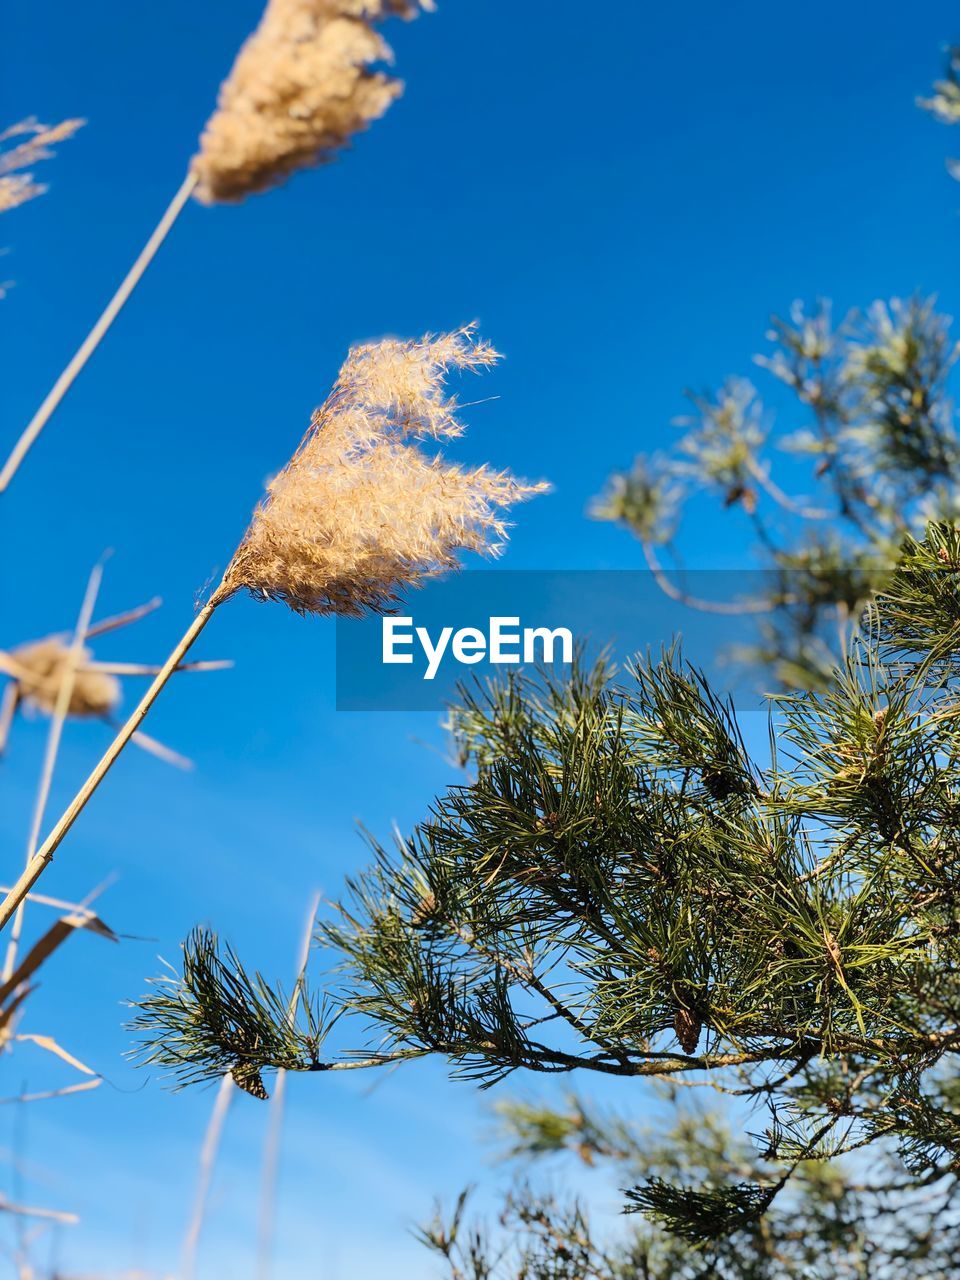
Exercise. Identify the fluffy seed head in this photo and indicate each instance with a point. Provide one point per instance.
(45, 663)
(361, 511)
(22, 146)
(301, 87)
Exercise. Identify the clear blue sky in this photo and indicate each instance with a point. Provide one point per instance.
(621, 195)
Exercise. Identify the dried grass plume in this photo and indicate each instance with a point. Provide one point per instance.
(44, 664)
(361, 510)
(301, 87)
(22, 146)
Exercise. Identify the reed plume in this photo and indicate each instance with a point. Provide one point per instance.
(21, 147)
(45, 665)
(301, 87)
(359, 513)
(45, 674)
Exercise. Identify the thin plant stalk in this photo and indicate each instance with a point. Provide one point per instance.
(96, 334)
(271, 1153)
(151, 669)
(67, 1091)
(41, 859)
(9, 701)
(124, 619)
(61, 904)
(208, 1158)
(155, 748)
(54, 735)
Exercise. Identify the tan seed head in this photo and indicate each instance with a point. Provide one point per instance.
(361, 510)
(21, 147)
(301, 87)
(45, 663)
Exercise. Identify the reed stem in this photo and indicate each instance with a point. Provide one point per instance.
(208, 1158)
(52, 750)
(93, 338)
(44, 854)
(271, 1154)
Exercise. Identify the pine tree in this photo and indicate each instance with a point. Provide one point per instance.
(878, 455)
(623, 888)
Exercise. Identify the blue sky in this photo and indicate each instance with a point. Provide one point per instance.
(621, 196)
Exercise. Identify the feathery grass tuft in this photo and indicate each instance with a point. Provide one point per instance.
(43, 666)
(361, 511)
(301, 87)
(33, 143)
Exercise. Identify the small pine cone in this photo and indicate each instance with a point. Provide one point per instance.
(248, 1078)
(424, 909)
(688, 1027)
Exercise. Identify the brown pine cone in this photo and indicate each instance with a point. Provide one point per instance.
(688, 1027)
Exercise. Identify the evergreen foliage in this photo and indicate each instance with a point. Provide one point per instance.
(879, 452)
(621, 888)
(833, 1220)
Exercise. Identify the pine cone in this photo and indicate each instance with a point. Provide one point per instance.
(248, 1078)
(688, 1027)
(424, 909)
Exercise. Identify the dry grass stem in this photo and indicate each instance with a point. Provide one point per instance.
(9, 701)
(49, 1045)
(65, 691)
(271, 1153)
(361, 511)
(125, 619)
(48, 943)
(96, 334)
(208, 1159)
(21, 147)
(301, 87)
(148, 669)
(84, 1086)
(28, 1211)
(18, 985)
(59, 904)
(154, 747)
